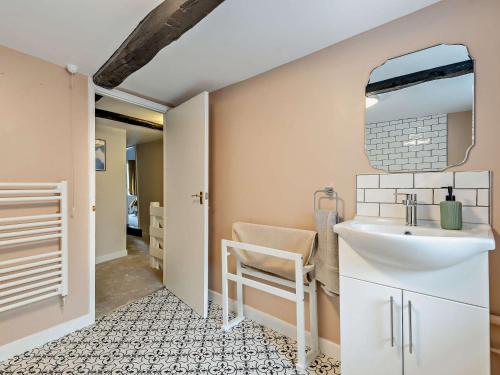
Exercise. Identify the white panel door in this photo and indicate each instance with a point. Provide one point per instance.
(447, 338)
(186, 207)
(370, 328)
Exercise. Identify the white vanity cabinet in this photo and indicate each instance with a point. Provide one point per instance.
(391, 331)
(413, 305)
(371, 329)
(447, 337)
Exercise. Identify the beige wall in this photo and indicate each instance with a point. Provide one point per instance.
(459, 136)
(43, 137)
(277, 137)
(149, 179)
(111, 194)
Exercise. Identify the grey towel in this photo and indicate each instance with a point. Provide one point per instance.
(326, 258)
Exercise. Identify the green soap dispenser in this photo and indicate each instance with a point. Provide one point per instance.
(451, 211)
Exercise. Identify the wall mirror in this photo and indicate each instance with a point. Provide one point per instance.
(420, 110)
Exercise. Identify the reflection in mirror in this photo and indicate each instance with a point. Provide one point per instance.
(419, 110)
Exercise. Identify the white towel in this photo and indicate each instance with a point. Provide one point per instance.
(326, 258)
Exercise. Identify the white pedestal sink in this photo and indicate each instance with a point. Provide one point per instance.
(424, 247)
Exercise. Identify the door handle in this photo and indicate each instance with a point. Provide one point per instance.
(199, 196)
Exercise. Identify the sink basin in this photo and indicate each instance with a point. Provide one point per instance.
(425, 247)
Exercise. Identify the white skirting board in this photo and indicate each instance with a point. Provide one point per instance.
(40, 338)
(326, 347)
(110, 256)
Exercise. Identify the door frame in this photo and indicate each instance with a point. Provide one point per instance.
(126, 97)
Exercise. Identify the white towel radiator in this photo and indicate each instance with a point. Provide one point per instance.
(28, 279)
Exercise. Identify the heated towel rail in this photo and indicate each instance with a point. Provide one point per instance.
(32, 278)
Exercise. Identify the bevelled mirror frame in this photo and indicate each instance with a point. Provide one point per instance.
(420, 110)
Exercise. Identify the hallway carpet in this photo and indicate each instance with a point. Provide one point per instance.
(159, 334)
(123, 280)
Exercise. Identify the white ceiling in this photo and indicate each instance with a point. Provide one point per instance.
(428, 58)
(242, 38)
(119, 106)
(429, 98)
(82, 32)
(135, 134)
(238, 40)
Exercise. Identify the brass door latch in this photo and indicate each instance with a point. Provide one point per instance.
(199, 196)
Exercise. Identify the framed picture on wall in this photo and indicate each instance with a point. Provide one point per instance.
(100, 155)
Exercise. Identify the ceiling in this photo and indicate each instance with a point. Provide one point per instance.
(429, 98)
(443, 54)
(135, 134)
(434, 97)
(82, 32)
(238, 40)
(119, 106)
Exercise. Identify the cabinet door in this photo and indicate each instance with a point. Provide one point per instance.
(370, 328)
(443, 337)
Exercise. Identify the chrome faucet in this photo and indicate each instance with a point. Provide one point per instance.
(410, 204)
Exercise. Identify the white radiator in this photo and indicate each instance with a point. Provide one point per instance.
(28, 279)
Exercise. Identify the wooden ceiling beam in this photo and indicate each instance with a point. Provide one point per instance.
(162, 26)
(108, 115)
(412, 79)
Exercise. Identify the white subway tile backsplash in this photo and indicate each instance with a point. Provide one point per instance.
(395, 168)
(431, 159)
(478, 215)
(367, 181)
(466, 196)
(423, 166)
(400, 180)
(392, 210)
(439, 164)
(472, 179)
(360, 195)
(483, 197)
(402, 133)
(433, 179)
(425, 153)
(376, 194)
(424, 196)
(367, 209)
(428, 212)
(380, 195)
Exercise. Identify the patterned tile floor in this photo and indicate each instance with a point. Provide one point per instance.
(159, 334)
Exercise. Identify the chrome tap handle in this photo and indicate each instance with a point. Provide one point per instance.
(410, 204)
(411, 198)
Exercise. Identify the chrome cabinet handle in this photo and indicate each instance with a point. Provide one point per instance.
(410, 337)
(392, 321)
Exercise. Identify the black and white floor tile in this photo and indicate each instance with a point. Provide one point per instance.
(159, 334)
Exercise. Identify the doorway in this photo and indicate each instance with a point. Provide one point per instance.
(128, 179)
(186, 236)
(133, 227)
